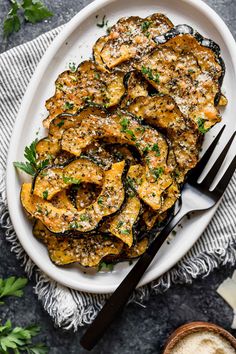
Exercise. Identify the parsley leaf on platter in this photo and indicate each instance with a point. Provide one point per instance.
(31, 166)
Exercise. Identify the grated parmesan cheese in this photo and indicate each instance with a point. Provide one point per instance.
(203, 342)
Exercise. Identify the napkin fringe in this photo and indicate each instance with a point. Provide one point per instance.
(71, 309)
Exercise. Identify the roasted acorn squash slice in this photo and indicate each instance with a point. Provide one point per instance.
(85, 250)
(129, 39)
(136, 86)
(163, 113)
(52, 180)
(121, 225)
(75, 90)
(49, 147)
(124, 128)
(136, 250)
(60, 220)
(65, 121)
(191, 77)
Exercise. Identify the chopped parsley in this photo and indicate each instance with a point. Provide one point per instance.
(39, 209)
(130, 182)
(84, 217)
(61, 123)
(74, 225)
(145, 25)
(131, 133)
(200, 124)
(72, 67)
(45, 194)
(157, 172)
(125, 232)
(68, 105)
(148, 72)
(154, 147)
(120, 223)
(71, 180)
(125, 124)
(59, 86)
(100, 201)
(97, 76)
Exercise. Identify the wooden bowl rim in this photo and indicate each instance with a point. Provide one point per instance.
(194, 327)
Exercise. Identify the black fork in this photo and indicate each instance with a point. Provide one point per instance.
(195, 196)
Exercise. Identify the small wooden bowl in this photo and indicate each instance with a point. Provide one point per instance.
(194, 327)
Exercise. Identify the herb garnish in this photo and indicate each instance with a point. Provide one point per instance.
(45, 194)
(125, 124)
(74, 225)
(12, 287)
(71, 180)
(125, 232)
(100, 201)
(72, 67)
(105, 266)
(19, 339)
(200, 124)
(33, 11)
(148, 72)
(145, 25)
(157, 172)
(68, 105)
(84, 217)
(31, 166)
(103, 23)
(97, 76)
(120, 223)
(154, 147)
(61, 123)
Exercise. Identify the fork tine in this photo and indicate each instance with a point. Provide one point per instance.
(217, 165)
(223, 183)
(197, 171)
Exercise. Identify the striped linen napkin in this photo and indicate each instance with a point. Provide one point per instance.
(69, 308)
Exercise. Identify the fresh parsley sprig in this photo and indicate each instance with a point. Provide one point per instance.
(18, 339)
(32, 10)
(31, 166)
(12, 286)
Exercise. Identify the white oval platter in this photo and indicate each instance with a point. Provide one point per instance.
(74, 44)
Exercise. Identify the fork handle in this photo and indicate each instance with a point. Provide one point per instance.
(121, 295)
